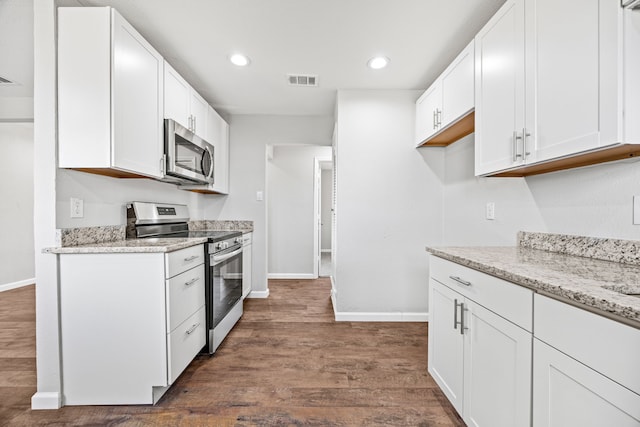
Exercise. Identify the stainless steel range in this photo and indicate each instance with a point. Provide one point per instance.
(223, 290)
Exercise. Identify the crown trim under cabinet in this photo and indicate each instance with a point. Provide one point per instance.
(444, 112)
(109, 119)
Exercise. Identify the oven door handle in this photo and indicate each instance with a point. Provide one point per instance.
(216, 259)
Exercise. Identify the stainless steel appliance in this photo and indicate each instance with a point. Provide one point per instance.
(223, 290)
(187, 157)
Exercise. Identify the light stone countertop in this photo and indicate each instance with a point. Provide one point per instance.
(590, 283)
(130, 246)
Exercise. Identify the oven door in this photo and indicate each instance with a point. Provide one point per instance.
(226, 280)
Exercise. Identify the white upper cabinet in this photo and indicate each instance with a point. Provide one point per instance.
(443, 106)
(109, 95)
(553, 80)
(182, 103)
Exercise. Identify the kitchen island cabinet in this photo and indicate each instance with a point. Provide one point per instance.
(130, 323)
(110, 90)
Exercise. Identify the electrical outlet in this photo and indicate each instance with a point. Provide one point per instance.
(636, 210)
(259, 196)
(77, 208)
(490, 211)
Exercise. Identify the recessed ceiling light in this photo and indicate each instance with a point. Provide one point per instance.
(239, 59)
(378, 62)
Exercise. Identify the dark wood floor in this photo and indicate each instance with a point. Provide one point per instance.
(286, 363)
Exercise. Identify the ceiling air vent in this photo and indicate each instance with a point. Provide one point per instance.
(302, 80)
(4, 81)
(631, 4)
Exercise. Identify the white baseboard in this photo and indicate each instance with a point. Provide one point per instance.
(18, 284)
(381, 317)
(46, 400)
(334, 295)
(258, 294)
(291, 276)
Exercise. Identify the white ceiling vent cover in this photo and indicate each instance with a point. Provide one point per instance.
(302, 80)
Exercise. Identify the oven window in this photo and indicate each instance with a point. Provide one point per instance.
(188, 155)
(227, 286)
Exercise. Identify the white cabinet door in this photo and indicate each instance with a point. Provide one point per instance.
(428, 107)
(446, 342)
(567, 393)
(500, 90)
(177, 97)
(497, 370)
(247, 276)
(457, 87)
(138, 133)
(217, 134)
(572, 80)
(199, 109)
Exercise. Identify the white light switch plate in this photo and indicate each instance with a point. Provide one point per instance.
(491, 211)
(77, 208)
(636, 210)
(259, 196)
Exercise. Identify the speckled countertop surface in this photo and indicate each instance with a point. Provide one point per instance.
(596, 284)
(129, 246)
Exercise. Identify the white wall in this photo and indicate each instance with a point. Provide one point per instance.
(389, 206)
(105, 197)
(16, 191)
(290, 184)
(591, 201)
(249, 137)
(325, 208)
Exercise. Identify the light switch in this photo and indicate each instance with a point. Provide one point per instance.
(77, 208)
(636, 210)
(259, 196)
(491, 211)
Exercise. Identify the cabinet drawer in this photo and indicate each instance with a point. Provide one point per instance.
(509, 300)
(184, 259)
(185, 294)
(185, 342)
(604, 345)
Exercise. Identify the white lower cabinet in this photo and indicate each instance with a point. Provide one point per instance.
(130, 324)
(480, 359)
(585, 370)
(247, 276)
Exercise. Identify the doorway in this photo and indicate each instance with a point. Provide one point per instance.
(323, 190)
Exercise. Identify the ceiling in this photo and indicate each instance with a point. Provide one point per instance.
(333, 39)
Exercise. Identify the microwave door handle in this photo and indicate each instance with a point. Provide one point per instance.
(219, 258)
(210, 174)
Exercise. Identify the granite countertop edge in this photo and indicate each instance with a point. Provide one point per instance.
(593, 297)
(130, 246)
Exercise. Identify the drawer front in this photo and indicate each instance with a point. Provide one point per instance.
(509, 300)
(185, 295)
(183, 260)
(185, 342)
(247, 239)
(602, 344)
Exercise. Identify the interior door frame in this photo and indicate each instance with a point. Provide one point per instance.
(317, 212)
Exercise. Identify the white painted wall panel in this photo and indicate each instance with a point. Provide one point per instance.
(16, 193)
(389, 204)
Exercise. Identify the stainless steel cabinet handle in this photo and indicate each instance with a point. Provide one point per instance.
(193, 328)
(439, 117)
(459, 280)
(434, 119)
(163, 163)
(516, 137)
(455, 313)
(191, 258)
(192, 281)
(525, 134)
(462, 327)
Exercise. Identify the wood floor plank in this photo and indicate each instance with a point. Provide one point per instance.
(287, 362)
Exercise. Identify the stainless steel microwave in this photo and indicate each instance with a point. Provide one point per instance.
(188, 158)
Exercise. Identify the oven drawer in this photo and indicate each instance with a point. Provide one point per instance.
(185, 295)
(185, 342)
(184, 259)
